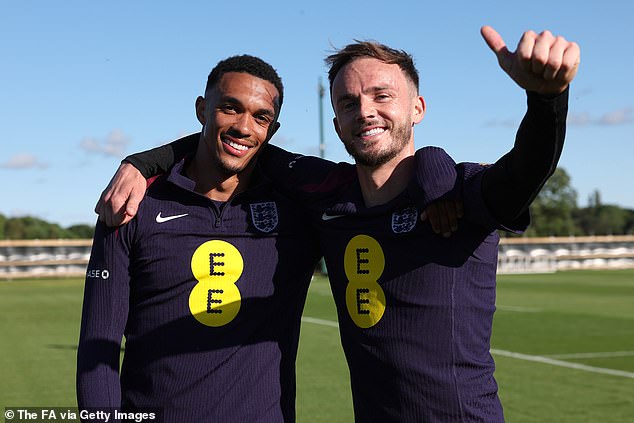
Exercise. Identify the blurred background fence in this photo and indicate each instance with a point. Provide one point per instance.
(67, 258)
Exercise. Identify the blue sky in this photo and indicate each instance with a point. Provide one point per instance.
(82, 84)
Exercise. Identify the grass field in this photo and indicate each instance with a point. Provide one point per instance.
(563, 344)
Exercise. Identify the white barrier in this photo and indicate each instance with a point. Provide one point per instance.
(545, 255)
(44, 258)
(67, 258)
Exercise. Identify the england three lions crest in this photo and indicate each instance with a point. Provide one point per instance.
(404, 220)
(264, 216)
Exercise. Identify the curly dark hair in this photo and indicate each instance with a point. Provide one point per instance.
(247, 64)
(373, 50)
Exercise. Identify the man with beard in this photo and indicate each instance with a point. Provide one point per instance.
(415, 310)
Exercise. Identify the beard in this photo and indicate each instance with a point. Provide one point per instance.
(376, 156)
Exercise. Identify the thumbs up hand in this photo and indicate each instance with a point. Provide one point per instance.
(542, 62)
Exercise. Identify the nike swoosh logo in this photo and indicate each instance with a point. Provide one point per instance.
(326, 217)
(162, 219)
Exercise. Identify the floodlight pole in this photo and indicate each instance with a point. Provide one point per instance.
(322, 145)
(322, 150)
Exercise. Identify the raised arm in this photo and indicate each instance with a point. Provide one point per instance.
(544, 66)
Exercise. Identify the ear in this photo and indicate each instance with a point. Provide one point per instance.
(272, 130)
(336, 124)
(200, 110)
(418, 109)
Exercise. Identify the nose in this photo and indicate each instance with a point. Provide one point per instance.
(366, 109)
(241, 126)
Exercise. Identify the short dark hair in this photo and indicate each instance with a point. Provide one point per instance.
(374, 50)
(246, 64)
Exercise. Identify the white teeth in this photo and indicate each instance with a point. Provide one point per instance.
(237, 146)
(372, 132)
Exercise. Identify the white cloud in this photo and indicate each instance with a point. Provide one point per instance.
(617, 117)
(113, 145)
(24, 161)
(579, 119)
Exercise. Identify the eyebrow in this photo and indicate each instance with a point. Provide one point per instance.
(379, 88)
(233, 100)
(268, 112)
(374, 89)
(345, 98)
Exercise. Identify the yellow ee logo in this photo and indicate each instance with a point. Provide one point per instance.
(215, 300)
(363, 263)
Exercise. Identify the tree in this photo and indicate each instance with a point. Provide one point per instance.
(600, 219)
(81, 231)
(28, 227)
(629, 222)
(610, 220)
(14, 229)
(35, 228)
(552, 210)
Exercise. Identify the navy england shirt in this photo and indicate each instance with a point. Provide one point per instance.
(415, 309)
(209, 299)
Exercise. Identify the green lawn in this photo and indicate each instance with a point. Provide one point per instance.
(571, 313)
(543, 317)
(538, 315)
(39, 324)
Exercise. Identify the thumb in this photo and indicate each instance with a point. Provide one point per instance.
(497, 45)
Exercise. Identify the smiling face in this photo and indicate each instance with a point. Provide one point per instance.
(376, 107)
(239, 115)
